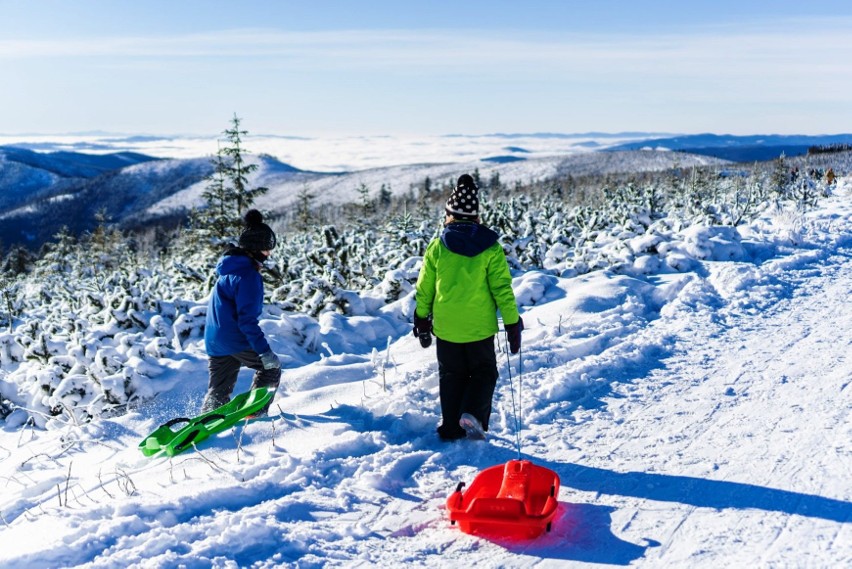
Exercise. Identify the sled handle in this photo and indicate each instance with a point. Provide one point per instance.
(187, 441)
(459, 487)
(176, 421)
(211, 418)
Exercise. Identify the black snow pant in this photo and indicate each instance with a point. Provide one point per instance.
(223, 377)
(467, 376)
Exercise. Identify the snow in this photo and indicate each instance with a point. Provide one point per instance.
(401, 179)
(696, 418)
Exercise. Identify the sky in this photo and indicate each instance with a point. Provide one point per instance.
(397, 68)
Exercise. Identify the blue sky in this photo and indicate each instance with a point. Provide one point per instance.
(315, 68)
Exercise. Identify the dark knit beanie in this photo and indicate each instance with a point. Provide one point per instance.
(257, 235)
(463, 202)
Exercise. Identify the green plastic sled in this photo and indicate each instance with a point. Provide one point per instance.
(171, 442)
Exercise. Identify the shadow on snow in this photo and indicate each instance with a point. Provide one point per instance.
(582, 532)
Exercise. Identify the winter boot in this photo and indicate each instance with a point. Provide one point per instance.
(449, 435)
(472, 427)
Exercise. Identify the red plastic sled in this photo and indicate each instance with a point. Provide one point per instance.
(518, 499)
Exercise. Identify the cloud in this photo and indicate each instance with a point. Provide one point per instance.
(692, 51)
(779, 71)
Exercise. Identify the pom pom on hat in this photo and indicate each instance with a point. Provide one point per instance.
(257, 236)
(463, 202)
(253, 218)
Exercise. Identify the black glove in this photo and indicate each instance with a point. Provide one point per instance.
(513, 334)
(423, 330)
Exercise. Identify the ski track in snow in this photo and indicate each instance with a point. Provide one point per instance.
(695, 420)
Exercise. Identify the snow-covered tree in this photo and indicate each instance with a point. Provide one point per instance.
(237, 169)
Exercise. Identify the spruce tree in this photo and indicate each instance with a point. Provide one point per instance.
(59, 256)
(385, 196)
(18, 260)
(227, 194)
(237, 171)
(106, 244)
(367, 204)
(780, 179)
(8, 295)
(494, 183)
(304, 214)
(218, 221)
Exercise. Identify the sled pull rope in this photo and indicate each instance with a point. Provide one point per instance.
(516, 408)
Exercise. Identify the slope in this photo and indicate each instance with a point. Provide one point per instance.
(750, 148)
(696, 419)
(407, 179)
(76, 202)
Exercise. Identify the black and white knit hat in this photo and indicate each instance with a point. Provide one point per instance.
(463, 202)
(257, 235)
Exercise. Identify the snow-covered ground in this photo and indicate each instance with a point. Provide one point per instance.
(695, 419)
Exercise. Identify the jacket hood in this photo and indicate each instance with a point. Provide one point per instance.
(468, 238)
(236, 262)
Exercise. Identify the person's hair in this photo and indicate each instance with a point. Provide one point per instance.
(451, 218)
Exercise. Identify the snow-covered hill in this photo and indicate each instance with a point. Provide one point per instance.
(26, 176)
(45, 181)
(39, 202)
(747, 148)
(42, 191)
(698, 418)
(285, 187)
(20, 182)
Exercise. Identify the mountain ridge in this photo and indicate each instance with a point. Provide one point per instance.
(41, 191)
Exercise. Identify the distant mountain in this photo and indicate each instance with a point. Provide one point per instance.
(42, 192)
(74, 201)
(26, 175)
(20, 182)
(503, 159)
(739, 148)
(73, 164)
(593, 134)
(408, 179)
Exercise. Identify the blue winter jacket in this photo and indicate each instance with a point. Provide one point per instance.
(235, 307)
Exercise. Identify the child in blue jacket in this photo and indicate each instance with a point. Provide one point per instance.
(232, 335)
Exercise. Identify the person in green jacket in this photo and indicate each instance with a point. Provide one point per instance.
(464, 280)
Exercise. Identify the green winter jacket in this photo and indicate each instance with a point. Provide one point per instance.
(463, 281)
